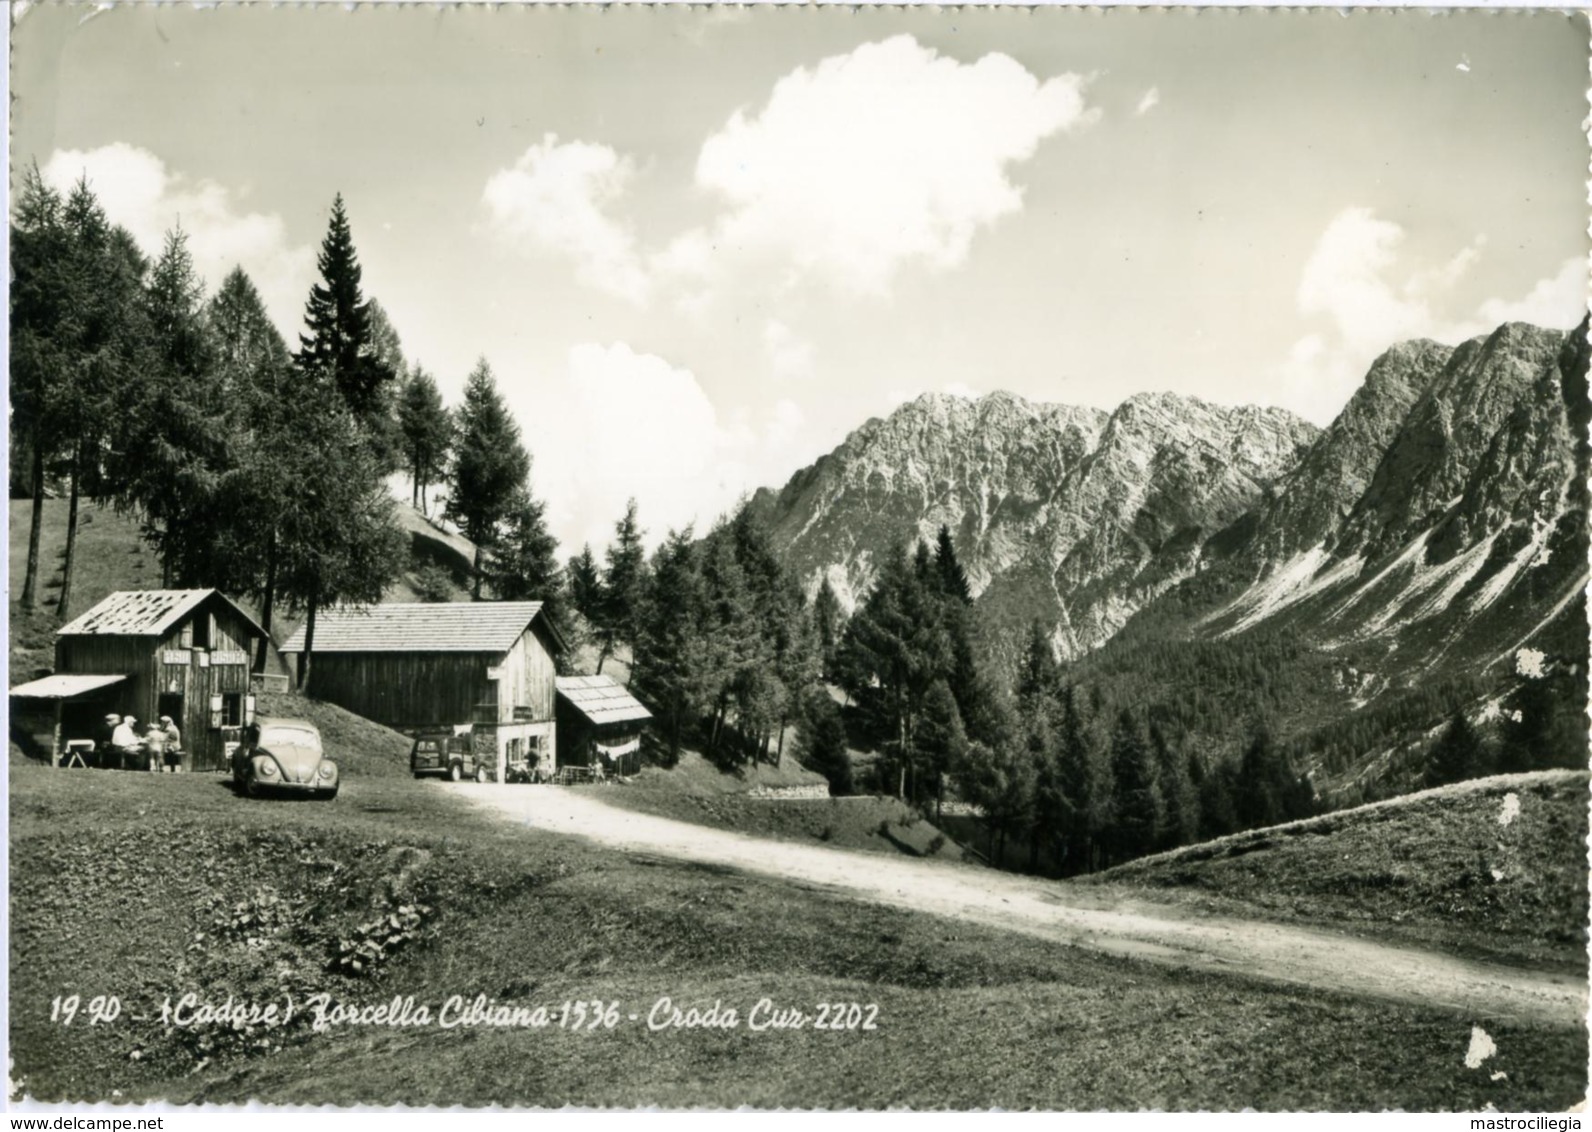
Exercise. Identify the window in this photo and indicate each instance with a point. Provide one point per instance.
(200, 636)
(231, 709)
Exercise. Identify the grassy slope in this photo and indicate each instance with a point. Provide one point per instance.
(253, 898)
(1418, 869)
(697, 791)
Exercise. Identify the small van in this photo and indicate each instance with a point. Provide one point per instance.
(440, 753)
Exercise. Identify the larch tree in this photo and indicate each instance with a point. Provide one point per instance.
(426, 429)
(175, 450)
(110, 344)
(41, 352)
(254, 373)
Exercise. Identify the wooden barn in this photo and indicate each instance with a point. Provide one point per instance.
(599, 724)
(428, 666)
(149, 653)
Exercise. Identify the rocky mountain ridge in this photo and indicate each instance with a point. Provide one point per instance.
(1440, 513)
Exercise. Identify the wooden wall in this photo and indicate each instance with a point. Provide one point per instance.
(410, 690)
(526, 678)
(402, 689)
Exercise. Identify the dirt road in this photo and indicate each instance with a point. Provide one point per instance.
(1055, 911)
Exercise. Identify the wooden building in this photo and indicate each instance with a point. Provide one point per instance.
(429, 666)
(149, 653)
(599, 724)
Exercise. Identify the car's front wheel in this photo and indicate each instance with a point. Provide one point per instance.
(455, 772)
(326, 795)
(480, 774)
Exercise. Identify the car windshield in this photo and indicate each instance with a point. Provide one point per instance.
(288, 737)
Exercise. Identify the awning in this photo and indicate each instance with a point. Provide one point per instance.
(64, 686)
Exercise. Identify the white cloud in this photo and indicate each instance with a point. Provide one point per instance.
(888, 155)
(1559, 301)
(556, 196)
(1151, 99)
(138, 192)
(789, 355)
(1355, 279)
(617, 423)
(963, 390)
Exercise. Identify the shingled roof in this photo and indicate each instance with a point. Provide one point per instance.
(601, 699)
(143, 613)
(474, 626)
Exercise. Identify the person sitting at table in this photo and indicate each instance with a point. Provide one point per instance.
(125, 741)
(104, 749)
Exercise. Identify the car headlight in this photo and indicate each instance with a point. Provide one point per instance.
(265, 768)
(328, 770)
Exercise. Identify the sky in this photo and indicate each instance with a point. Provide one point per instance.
(699, 246)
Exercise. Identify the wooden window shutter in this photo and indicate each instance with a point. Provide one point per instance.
(215, 713)
(248, 709)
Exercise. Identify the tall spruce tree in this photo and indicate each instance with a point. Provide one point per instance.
(829, 620)
(525, 565)
(623, 589)
(821, 743)
(673, 670)
(1179, 798)
(953, 579)
(1136, 815)
(339, 346)
(490, 466)
(1080, 788)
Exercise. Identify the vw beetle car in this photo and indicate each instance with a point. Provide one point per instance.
(283, 757)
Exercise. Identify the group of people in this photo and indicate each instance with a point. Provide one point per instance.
(157, 747)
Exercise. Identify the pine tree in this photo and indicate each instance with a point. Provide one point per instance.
(525, 566)
(490, 466)
(1179, 797)
(339, 346)
(426, 429)
(821, 743)
(894, 649)
(941, 740)
(830, 621)
(1079, 787)
(623, 589)
(1039, 676)
(672, 670)
(1136, 796)
(740, 656)
(953, 579)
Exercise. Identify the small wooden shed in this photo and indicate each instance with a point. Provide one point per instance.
(599, 724)
(438, 665)
(149, 653)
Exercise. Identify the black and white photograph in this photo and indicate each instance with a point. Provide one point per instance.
(798, 557)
